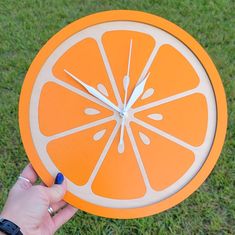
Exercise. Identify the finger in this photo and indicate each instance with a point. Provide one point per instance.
(56, 192)
(63, 216)
(29, 173)
(27, 178)
(41, 183)
(58, 205)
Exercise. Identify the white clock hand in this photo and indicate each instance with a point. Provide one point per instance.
(137, 92)
(121, 143)
(94, 92)
(126, 81)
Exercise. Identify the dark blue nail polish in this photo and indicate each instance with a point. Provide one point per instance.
(59, 178)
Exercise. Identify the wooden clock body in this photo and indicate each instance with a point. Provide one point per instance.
(172, 134)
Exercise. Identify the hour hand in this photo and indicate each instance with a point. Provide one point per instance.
(137, 92)
(94, 92)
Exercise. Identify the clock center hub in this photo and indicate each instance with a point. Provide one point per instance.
(123, 114)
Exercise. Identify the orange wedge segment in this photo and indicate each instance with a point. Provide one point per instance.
(170, 74)
(119, 176)
(61, 109)
(165, 161)
(117, 47)
(72, 154)
(184, 118)
(84, 61)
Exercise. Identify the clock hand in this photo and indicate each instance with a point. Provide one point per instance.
(129, 59)
(94, 92)
(135, 95)
(126, 81)
(121, 142)
(137, 92)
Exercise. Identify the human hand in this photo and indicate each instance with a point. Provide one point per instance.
(27, 205)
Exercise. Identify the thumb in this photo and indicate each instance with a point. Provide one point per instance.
(56, 192)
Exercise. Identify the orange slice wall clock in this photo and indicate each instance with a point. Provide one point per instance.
(129, 107)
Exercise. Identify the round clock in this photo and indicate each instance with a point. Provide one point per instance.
(129, 107)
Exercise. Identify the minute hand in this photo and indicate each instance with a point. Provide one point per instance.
(137, 92)
(94, 92)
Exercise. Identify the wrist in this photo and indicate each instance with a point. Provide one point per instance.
(9, 217)
(8, 227)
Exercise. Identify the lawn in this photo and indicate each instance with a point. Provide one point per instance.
(25, 26)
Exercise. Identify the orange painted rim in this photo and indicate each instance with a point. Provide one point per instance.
(177, 32)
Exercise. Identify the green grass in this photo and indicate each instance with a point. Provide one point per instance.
(25, 26)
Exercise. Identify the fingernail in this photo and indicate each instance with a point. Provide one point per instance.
(59, 178)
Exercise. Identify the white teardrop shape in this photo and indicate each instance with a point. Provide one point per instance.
(102, 89)
(121, 147)
(145, 139)
(91, 111)
(99, 135)
(147, 93)
(155, 116)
